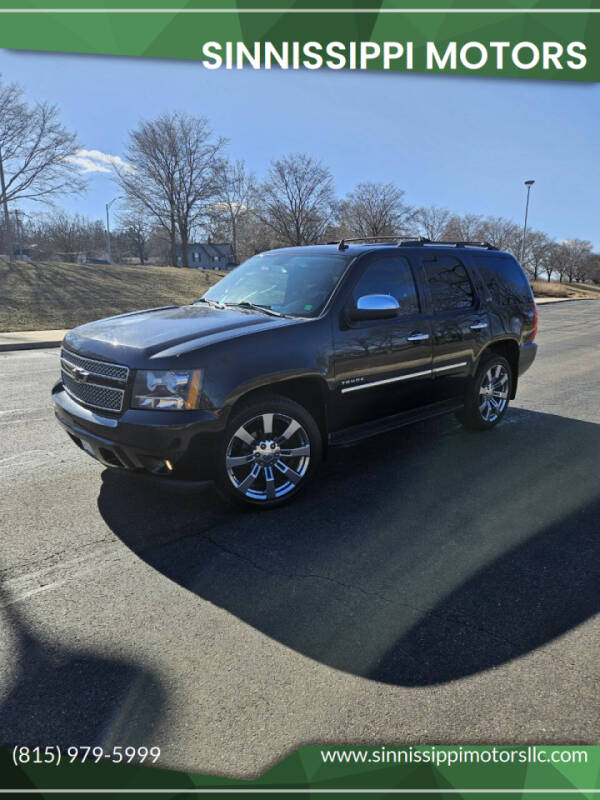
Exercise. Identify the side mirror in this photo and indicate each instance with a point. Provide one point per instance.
(374, 306)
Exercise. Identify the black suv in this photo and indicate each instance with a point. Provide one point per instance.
(296, 350)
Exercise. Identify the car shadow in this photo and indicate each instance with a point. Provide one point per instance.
(416, 558)
(56, 696)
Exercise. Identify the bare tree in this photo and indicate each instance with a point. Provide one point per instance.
(537, 253)
(432, 222)
(375, 209)
(66, 236)
(135, 229)
(297, 200)
(577, 253)
(501, 233)
(466, 228)
(172, 167)
(236, 195)
(35, 153)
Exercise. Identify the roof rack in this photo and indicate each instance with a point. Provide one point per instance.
(343, 243)
(447, 243)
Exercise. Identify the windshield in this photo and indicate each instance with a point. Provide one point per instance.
(294, 283)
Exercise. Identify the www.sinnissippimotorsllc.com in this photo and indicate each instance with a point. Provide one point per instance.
(448, 756)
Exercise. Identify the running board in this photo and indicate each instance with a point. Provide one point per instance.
(365, 430)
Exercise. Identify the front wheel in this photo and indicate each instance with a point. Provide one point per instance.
(270, 452)
(488, 394)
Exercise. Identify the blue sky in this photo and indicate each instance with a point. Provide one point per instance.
(466, 143)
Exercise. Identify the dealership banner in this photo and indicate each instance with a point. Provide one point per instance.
(466, 771)
(548, 39)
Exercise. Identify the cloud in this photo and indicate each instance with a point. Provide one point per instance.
(97, 161)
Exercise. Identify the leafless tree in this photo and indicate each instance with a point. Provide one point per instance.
(375, 209)
(297, 200)
(537, 253)
(501, 233)
(172, 167)
(135, 229)
(35, 153)
(235, 199)
(432, 222)
(66, 236)
(466, 227)
(577, 252)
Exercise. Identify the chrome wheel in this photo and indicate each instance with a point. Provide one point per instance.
(268, 456)
(493, 393)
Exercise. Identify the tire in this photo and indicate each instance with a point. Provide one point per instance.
(254, 469)
(488, 394)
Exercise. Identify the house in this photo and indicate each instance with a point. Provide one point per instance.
(207, 255)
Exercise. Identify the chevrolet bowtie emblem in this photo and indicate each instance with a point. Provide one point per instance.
(80, 374)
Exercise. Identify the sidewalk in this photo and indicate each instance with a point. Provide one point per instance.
(540, 301)
(30, 340)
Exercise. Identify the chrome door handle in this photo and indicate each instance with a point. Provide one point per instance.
(417, 337)
(478, 326)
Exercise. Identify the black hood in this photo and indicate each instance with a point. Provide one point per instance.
(164, 332)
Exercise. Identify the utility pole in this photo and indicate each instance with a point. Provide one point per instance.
(19, 230)
(9, 240)
(108, 253)
(528, 184)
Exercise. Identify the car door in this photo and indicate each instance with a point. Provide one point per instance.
(382, 366)
(459, 322)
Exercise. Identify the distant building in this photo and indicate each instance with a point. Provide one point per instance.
(207, 255)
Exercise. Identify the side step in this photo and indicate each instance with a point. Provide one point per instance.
(356, 433)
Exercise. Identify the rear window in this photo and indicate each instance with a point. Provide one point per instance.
(505, 280)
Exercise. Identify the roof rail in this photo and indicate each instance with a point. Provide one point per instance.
(448, 243)
(344, 241)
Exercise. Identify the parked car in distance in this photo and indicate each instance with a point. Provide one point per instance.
(295, 351)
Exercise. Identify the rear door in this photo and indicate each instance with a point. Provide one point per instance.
(382, 366)
(459, 322)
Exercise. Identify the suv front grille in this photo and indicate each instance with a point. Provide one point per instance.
(98, 384)
(104, 368)
(92, 394)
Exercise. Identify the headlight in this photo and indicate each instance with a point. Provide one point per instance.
(167, 390)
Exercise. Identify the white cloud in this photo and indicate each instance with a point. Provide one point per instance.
(97, 161)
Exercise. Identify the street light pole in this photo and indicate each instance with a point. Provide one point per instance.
(108, 253)
(528, 184)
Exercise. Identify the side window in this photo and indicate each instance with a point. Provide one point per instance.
(390, 276)
(449, 284)
(505, 281)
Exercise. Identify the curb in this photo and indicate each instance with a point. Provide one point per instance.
(5, 348)
(549, 301)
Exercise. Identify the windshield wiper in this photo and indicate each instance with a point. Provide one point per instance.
(257, 306)
(211, 303)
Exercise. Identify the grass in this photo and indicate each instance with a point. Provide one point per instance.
(43, 296)
(555, 289)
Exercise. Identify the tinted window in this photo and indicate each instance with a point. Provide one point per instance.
(506, 282)
(390, 276)
(449, 284)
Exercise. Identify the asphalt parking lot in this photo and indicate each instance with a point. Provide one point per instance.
(434, 586)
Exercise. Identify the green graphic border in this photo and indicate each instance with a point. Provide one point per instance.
(304, 772)
(170, 29)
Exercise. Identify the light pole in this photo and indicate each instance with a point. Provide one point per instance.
(528, 184)
(108, 253)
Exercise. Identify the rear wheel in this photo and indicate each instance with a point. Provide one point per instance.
(269, 453)
(488, 394)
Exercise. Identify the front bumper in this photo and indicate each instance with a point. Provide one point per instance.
(173, 444)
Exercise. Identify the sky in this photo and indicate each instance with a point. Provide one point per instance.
(465, 143)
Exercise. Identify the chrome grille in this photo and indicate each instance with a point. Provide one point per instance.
(108, 398)
(103, 368)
